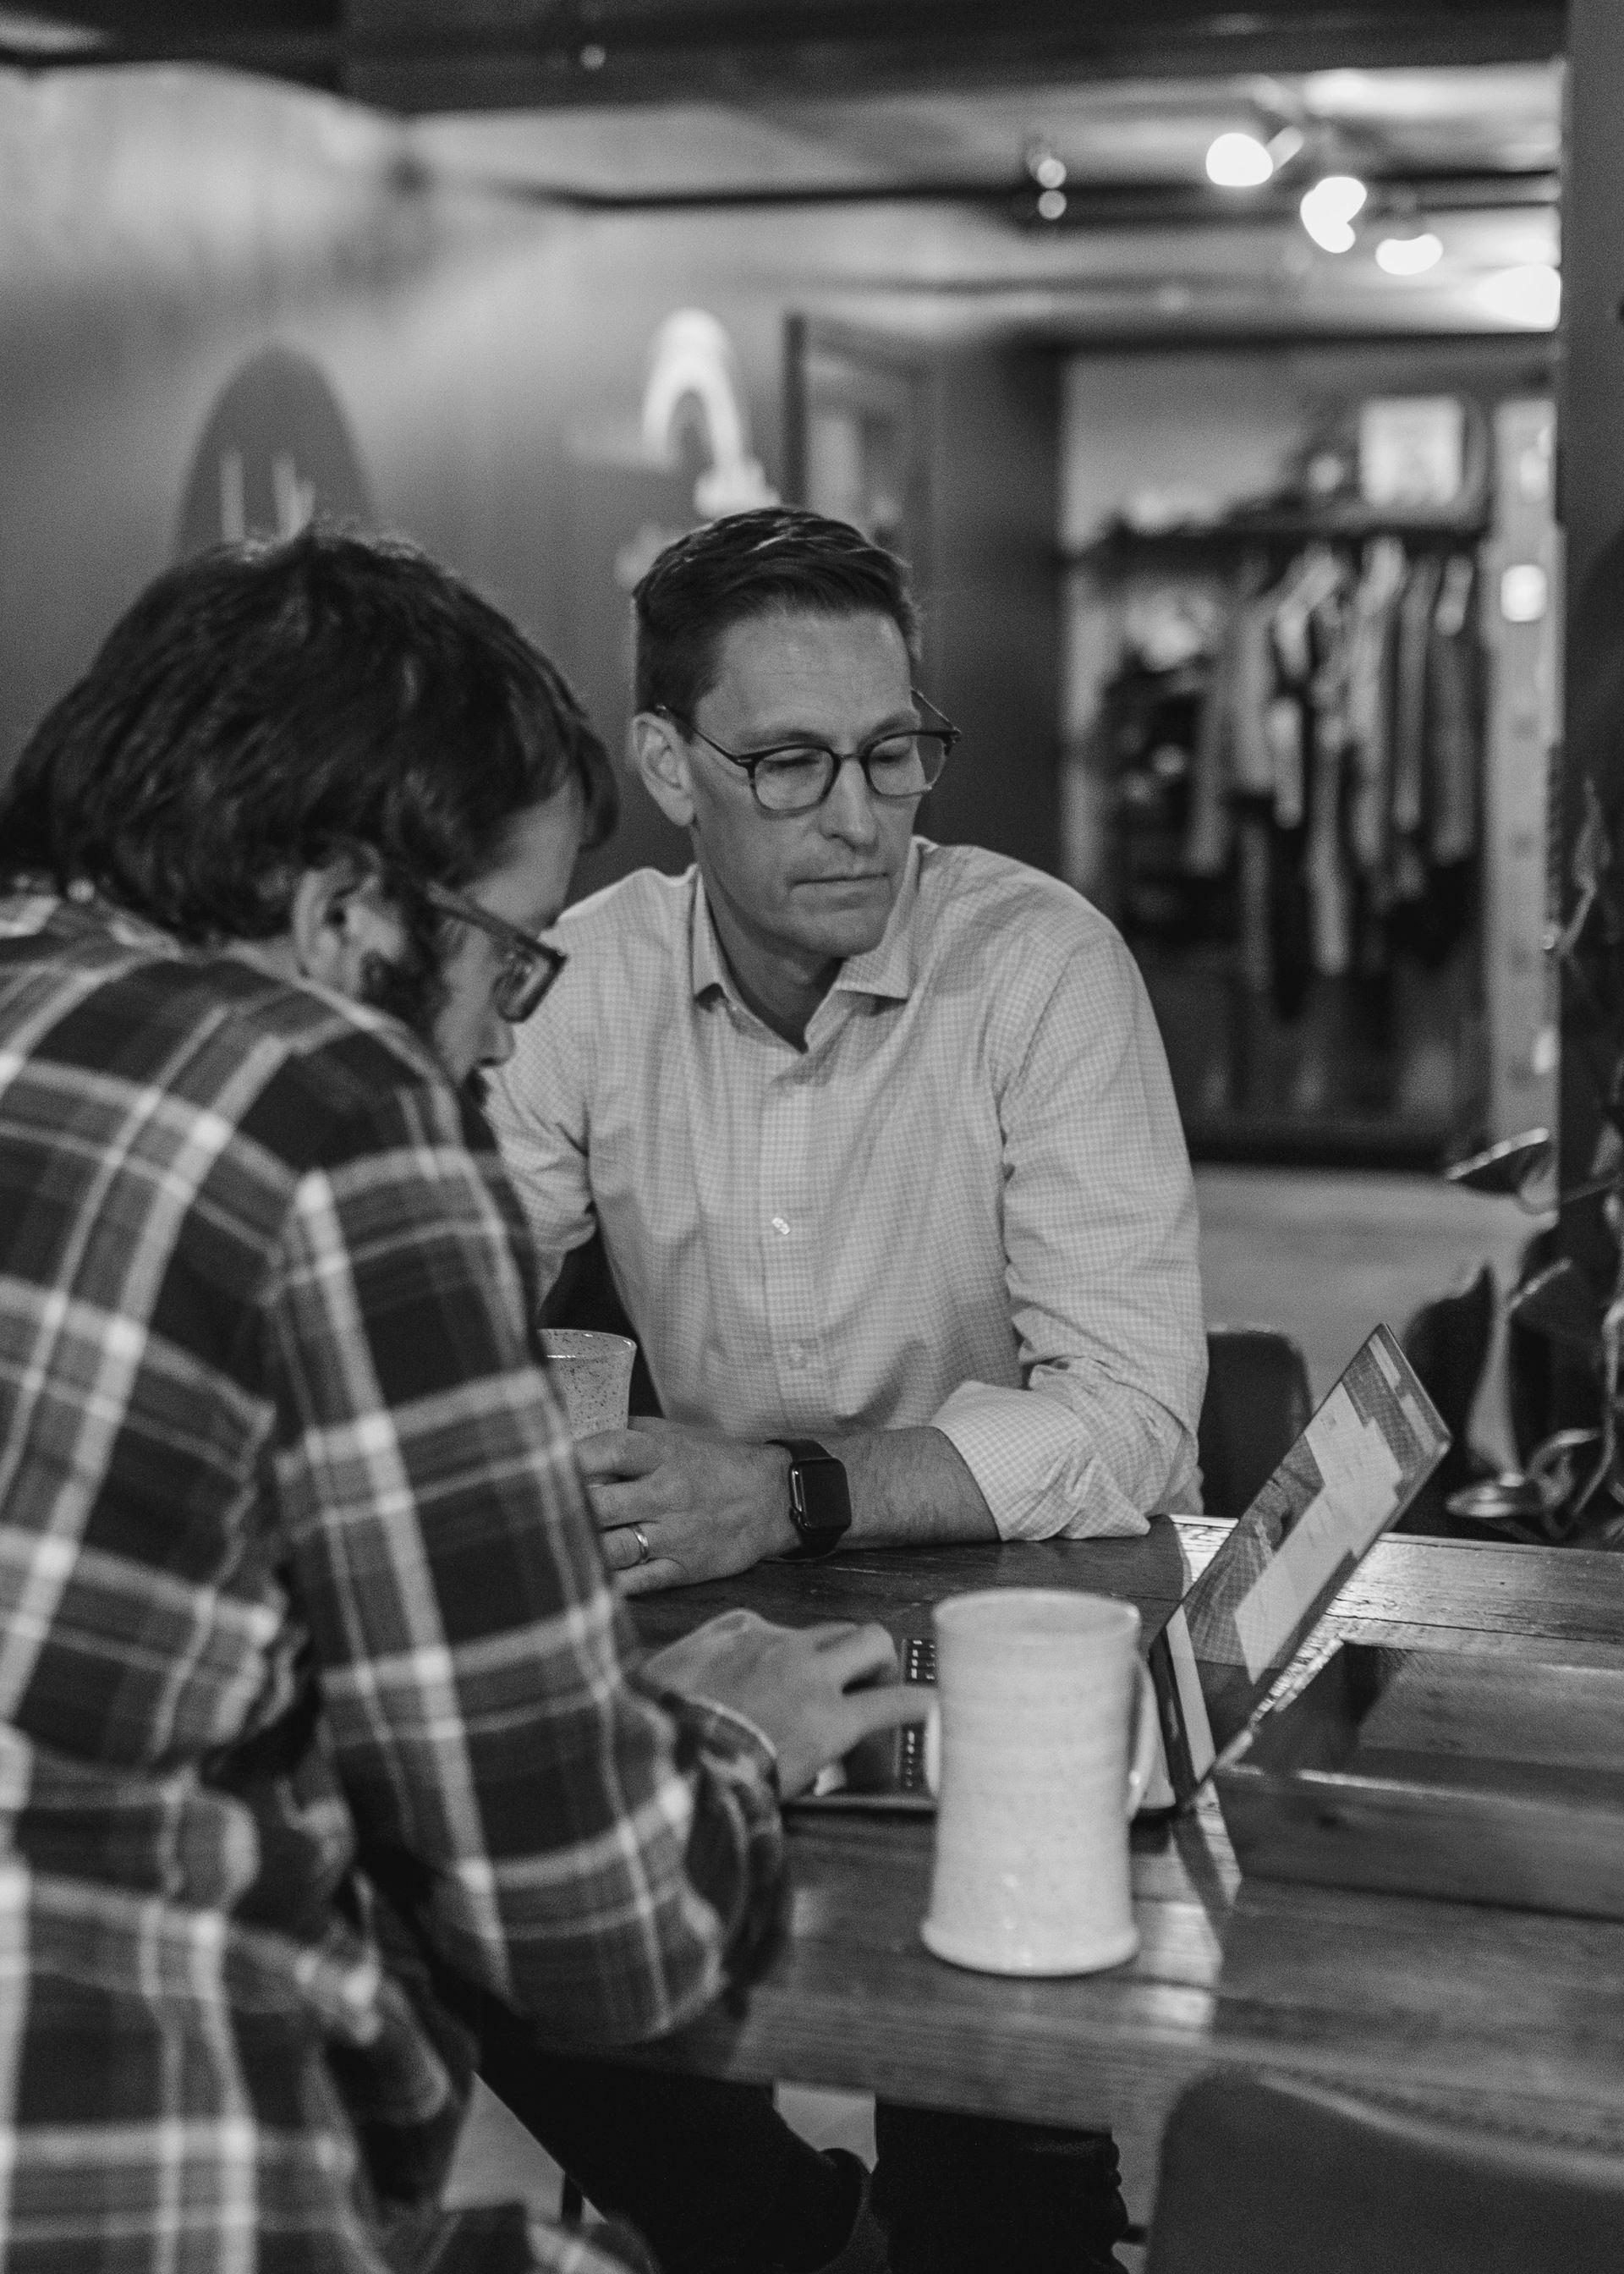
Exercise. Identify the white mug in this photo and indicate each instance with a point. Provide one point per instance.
(594, 1375)
(1040, 1746)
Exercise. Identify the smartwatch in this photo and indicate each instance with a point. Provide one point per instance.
(820, 1506)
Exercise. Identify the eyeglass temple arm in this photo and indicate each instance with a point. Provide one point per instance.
(950, 734)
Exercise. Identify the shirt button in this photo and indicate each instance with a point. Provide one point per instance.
(781, 1227)
(797, 1354)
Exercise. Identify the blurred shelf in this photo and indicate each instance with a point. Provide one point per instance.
(1287, 1141)
(1120, 542)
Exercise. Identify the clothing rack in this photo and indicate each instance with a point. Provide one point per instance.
(1296, 803)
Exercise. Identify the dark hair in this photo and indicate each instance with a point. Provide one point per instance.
(777, 559)
(265, 707)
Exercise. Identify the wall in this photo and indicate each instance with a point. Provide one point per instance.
(489, 357)
(993, 628)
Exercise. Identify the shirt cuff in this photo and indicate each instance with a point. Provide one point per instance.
(1037, 1471)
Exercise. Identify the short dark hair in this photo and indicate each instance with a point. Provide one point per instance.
(776, 560)
(265, 707)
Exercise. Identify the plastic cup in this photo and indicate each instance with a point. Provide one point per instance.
(594, 1374)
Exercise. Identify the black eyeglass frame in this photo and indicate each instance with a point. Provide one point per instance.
(530, 967)
(945, 732)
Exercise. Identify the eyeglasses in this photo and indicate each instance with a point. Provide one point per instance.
(529, 966)
(794, 777)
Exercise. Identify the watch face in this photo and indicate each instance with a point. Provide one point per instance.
(822, 1505)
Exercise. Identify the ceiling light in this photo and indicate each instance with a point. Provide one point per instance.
(1239, 162)
(42, 35)
(1328, 209)
(1528, 298)
(1046, 168)
(1410, 256)
(1051, 205)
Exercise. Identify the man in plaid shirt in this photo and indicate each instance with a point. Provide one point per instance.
(319, 1712)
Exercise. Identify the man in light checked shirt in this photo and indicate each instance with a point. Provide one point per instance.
(879, 1138)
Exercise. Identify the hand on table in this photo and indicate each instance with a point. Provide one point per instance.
(813, 1692)
(707, 1505)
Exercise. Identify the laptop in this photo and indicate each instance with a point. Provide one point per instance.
(1218, 1652)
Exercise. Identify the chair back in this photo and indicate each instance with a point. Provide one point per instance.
(1257, 1404)
(1261, 2178)
(1447, 1342)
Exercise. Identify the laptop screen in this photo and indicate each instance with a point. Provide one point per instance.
(1354, 1471)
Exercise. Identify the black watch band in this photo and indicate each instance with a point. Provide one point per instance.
(820, 1503)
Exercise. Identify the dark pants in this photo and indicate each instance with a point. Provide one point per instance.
(964, 2192)
(714, 2178)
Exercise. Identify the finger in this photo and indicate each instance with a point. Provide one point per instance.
(621, 1548)
(734, 1621)
(649, 1578)
(639, 1502)
(892, 1705)
(865, 1654)
(826, 1633)
(616, 1453)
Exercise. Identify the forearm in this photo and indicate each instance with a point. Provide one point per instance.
(908, 1488)
(676, 1505)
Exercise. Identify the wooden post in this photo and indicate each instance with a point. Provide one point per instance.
(1591, 499)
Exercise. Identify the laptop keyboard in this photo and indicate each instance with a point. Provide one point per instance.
(919, 1664)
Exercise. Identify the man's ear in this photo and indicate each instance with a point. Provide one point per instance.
(663, 761)
(338, 921)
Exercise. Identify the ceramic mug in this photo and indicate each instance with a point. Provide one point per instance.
(1042, 1744)
(593, 1373)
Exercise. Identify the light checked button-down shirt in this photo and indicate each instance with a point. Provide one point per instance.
(967, 1202)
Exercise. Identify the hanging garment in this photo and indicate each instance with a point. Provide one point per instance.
(1410, 676)
(1251, 850)
(1325, 860)
(1290, 723)
(1209, 833)
(1432, 928)
(1455, 681)
(1253, 759)
(1370, 738)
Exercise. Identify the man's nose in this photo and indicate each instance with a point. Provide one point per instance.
(495, 1039)
(849, 809)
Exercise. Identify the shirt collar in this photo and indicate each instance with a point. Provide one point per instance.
(886, 970)
(709, 964)
(35, 907)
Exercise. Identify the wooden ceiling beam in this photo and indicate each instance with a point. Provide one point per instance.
(425, 55)
(419, 55)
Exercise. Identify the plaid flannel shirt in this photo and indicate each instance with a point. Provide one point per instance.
(311, 1678)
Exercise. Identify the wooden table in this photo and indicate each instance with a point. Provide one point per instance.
(1509, 2019)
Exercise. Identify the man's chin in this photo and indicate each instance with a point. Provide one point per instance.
(845, 923)
(839, 942)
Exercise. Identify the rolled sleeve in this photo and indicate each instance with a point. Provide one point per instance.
(1036, 1466)
(1105, 1289)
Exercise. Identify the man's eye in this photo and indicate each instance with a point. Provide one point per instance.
(784, 763)
(896, 750)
